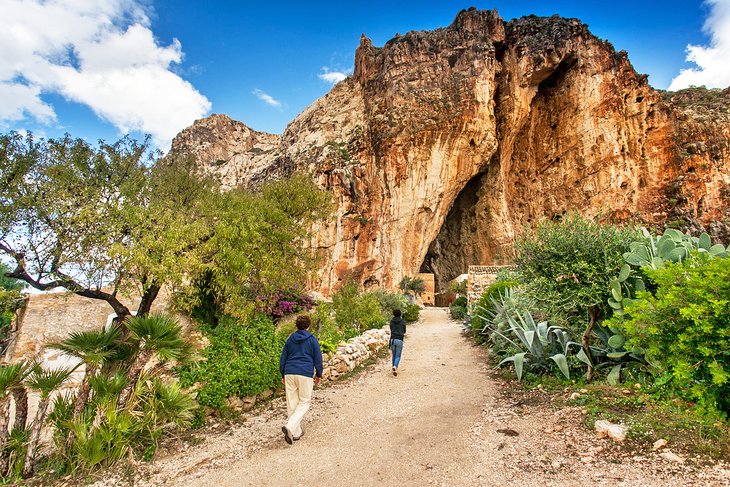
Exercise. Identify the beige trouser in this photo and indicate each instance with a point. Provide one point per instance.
(298, 395)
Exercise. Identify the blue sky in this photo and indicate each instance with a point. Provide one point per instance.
(101, 68)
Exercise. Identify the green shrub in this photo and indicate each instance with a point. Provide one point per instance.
(325, 328)
(411, 313)
(457, 312)
(104, 434)
(460, 301)
(685, 329)
(241, 360)
(327, 346)
(390, 301)
(567, 266)
(458, 288)
(497, 288)
(355, 312)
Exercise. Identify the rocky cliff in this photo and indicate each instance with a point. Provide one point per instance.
(444, 145)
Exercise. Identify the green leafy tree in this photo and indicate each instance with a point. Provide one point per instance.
(684, 327)
(412, 285)
(72, 215)
(258, 245)
(567, 266)
(113, 220)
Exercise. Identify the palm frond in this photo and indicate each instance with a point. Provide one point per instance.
(159, 333)
(95, 348)
(46, 381)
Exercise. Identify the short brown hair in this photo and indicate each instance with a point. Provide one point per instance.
(303, 322)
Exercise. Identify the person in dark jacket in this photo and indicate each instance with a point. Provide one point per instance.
(301, 368)
(397, 331)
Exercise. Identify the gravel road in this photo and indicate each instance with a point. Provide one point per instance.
(444, 420)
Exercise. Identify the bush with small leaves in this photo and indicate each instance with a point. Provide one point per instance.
(241, 360)
(684, 327)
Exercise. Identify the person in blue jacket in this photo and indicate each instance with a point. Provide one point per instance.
(301, 368)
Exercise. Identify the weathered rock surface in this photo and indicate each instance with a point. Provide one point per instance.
(442, 146)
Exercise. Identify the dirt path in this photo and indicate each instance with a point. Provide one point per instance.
(442, 421)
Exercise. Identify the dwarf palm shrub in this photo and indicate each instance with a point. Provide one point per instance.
(44, 382)
(95, 349)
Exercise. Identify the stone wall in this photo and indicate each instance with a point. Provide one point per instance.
(52, 317)
(352, 354)
(480, 278)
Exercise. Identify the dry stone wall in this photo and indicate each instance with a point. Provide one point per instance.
(354, 352)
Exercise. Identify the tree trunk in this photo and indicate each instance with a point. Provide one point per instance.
(35, 436)
(132, 376)
(149, 296)
(83, 394)
(4, 420)
(20, 395)
(585, 341)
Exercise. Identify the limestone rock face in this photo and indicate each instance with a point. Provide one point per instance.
(227, 149)
(443, 145)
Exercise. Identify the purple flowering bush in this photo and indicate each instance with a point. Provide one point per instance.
(280, 303)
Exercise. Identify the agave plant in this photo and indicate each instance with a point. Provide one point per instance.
(94, 349)
(154, 335)
(493, 321)
(44, 381)
(540, 343)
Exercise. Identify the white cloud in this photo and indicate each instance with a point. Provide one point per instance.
(332, 77)
(100, 53)
(266, 98)
(713, 61)
(17, 100)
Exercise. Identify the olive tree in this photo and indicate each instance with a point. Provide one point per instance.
(104, 221)
(92, 219)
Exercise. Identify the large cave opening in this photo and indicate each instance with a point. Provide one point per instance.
(454, 249)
